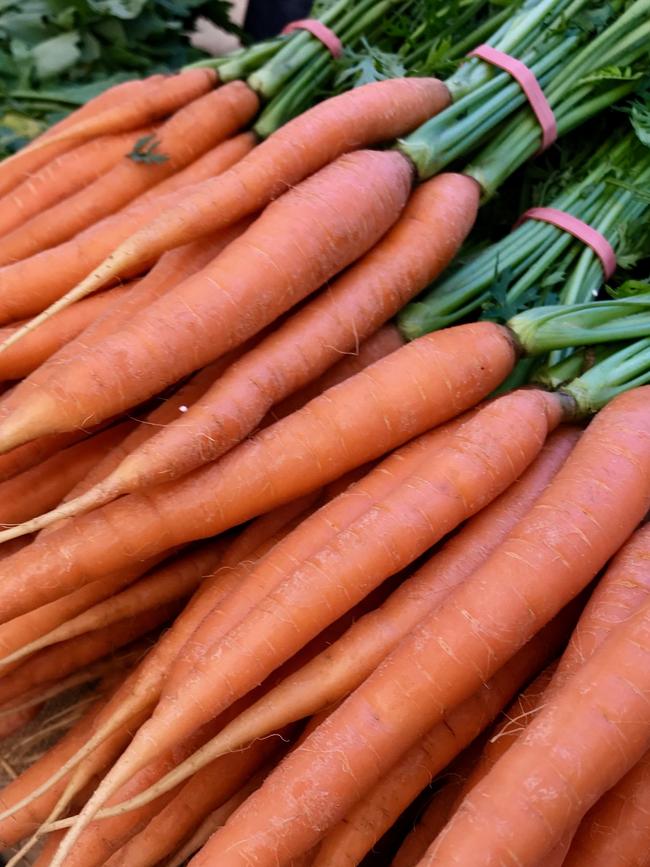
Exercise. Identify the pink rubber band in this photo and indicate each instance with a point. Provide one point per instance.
(321, 32)
(525, 78)
(580, 230)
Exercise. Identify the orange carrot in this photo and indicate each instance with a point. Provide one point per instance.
(285, 255)
(20, 360)
(210, 789)
(361, 117)
(187, 135)
(437, 811)
(367, 295)
(31, 492)
(60, 178)
(563, 543)
(14, 171)
(348, 842)
(153, 99)
(617, 829)
(390, 535)
(30, 285)
(55, 663)
(421, 385)
(332, 675)
(25, 457)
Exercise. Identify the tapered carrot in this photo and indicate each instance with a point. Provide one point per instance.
(32, 491)
(29, 455)
(332, 675)
(62, 177)
(364, 825)
(285, 255)
(563, 543)
(366, 115)
(30, 285)
(351, 309)
(152, 100)
(187, 135)
(13, 172)
(20, 360)
(163, 586)
(15, 634)
(385, 539)
(421, 385)
(56, 662)
(210, 789)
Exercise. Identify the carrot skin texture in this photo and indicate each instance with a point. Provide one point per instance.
(31, 160)
(590, 733)
(349, 841)
(285, 255)
(62, 177)
(24, 357)
(287, 460)
(30, 285)
(417, 513)
(369, 293)
(341, 668)
(481, 625)
(186, 136)
(361, 117)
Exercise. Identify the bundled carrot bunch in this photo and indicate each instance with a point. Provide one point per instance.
(306, 563)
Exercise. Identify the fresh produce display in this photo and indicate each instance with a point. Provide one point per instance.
(325, 446)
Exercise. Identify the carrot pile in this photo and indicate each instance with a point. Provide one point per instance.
(305, 543)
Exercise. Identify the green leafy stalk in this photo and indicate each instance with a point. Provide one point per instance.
(620, 371)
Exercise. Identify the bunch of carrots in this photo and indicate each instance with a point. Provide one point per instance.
(305, 557)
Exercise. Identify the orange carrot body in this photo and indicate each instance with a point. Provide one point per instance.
(480, 626)
(14, 172)
(62, 177)
(419, 386)
(39, 488)
(136, 105)
(30, 285)
(404, 261)
(285, 255)
(187, 135)
(349, 841)
(361, 117)
(24, 357)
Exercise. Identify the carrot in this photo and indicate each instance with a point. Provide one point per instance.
(20, 360)
(31, 454)
(60, 178)
(364, 825)
(309, 342)
(417, 387)
(436, 813)
(285, 255)
(13, 172)
(132, 702)
(341, 573)
(15, 634)
(38, 488)
(162, 587)
(57, 662)
(214, 821)
(577, 523)
(209, 789)
(616, 830)
(195, 128)
(361, 117)
(336, 672)
(151, 101)
(30, 285)
(591, 732)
